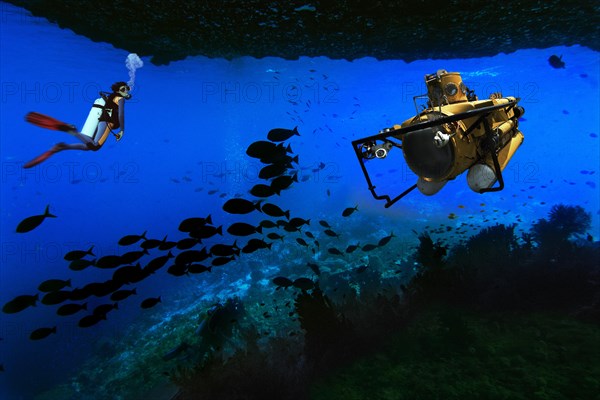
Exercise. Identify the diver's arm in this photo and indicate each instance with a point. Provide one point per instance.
(121, 105)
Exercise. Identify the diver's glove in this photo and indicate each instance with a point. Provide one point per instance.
(119, 135)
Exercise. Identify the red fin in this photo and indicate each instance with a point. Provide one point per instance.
(44, 121)
(39, 159)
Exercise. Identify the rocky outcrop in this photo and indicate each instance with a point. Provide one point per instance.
(170, 30)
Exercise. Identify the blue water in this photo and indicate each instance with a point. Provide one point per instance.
(187, 129)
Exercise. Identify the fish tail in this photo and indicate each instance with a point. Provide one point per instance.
(116, 306)
(134, 291)
(259, 229)
(296, 131)
(84, 306)
(220, 230)
(159, 299)
(68, 282)
(209, 219)
(143, 235)
(53, 330)
(47, 212)
(90, 251)
(287, 214)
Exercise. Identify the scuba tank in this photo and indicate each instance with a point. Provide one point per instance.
(91, 123)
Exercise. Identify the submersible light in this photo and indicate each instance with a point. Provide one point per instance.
(454, 133)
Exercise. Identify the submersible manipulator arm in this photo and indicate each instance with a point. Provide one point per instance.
(369, 141)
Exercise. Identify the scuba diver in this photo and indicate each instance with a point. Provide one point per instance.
(106, 115)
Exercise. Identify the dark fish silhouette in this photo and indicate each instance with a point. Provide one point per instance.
(90, 320)
(190, 256)
(132, 256)
(386, 239)
(217, 262)
(225, 250)
(324, 224)
(556, 62)
(274, 211)
(188, 243)
(274, 236)
(314, 268)
(298, 222)
(149, 244)
(268, 224)
(261, 148)
(243, 229)
(348, 211)
(157, 263)
(150, 302)
(272, 170)
(262, 190)
(177, 269)
(30, 223)
(304, 284)
(333, 250)
(42, 333)
(79, 265)
(280, 135)
(78, 254)
(167, 245)
(70, 309)
(52, 285)
(206, 231)
(198, 269)
(189, 224)
(20, 303)
(109, 262)
(301, 242)
(283, 182)
(255, 244)
(131, 239)
(104, 309)
(369, 247)
(282, 282)
(352, 248)
(120, 295)
(129, 274)
(331, 233)
(240, 206)
(58, 297)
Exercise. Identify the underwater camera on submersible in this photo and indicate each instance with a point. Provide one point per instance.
(454, 133)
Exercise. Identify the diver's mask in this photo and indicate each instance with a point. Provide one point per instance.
(124, 92)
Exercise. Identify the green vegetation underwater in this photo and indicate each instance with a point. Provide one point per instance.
(173, 264)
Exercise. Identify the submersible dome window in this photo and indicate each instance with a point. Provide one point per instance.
(423, 157)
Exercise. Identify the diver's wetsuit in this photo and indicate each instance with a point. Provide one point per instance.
(108, 121)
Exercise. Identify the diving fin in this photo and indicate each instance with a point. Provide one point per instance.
(44, 121)
(44, 156)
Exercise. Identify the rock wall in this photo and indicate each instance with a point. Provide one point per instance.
(170, 30)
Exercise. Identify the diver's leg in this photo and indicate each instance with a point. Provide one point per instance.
(102, 133)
